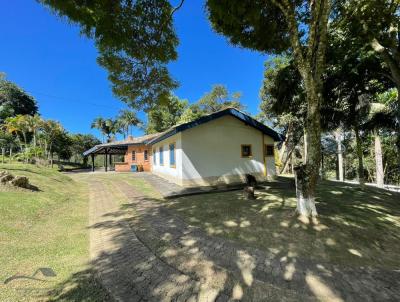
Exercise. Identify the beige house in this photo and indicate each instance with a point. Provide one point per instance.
(220, 148)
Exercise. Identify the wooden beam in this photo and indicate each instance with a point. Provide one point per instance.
(106, 160)
(92, 155)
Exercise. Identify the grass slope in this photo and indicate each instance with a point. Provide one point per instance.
(44, 239)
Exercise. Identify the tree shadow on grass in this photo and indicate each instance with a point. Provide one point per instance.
(82, 286)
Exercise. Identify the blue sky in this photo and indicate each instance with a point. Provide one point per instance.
(49, 58)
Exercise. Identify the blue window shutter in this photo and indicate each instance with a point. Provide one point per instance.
(172, 154)
(161, 156)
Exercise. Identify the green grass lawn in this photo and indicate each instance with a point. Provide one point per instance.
(44, 244)
(356, 227)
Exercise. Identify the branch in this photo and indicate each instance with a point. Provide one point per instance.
(389, 60)
(290, 15)
(177, 7)
(318, 36)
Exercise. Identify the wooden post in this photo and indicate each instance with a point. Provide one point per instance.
(106, 160)
(92, 155)
(10, 154)
(3, 153)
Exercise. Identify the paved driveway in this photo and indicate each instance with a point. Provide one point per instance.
(143, 252)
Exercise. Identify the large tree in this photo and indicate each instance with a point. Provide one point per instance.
(354, 75)
(375, 24)
(276, 26)
(218, 98)
(135, 40)
(165, 116)
(81, 143)
(282, 102)
(15, 101)
(126, 120)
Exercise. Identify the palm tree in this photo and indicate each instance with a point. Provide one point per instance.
(50, 130)
(99, 124)
(34, 123)
(18, 125)
(127, 119)
(110, 128)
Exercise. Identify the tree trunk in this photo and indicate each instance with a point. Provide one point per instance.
(378, 159)
(359, 156)
(285, 164)
(305, 198)
(285, 143)
(338, 138)
(307, 176)
(310, 62)
(305, 145)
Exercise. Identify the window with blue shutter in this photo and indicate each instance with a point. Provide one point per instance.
(161, 150)
(172, 155)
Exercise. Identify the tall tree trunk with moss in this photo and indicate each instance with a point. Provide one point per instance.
(378, 159)
(300, 27)
(310, 62)
(307, 175)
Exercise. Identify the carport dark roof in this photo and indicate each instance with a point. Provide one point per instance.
(248, 120)
(119, 147)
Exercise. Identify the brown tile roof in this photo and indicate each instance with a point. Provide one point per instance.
(132, 140)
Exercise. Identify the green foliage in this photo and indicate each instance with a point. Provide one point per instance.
(373, 25)
(354, 76)
(165, 116)
(135, 40)
(191, 113)
(282, 95)
(217, 99)
(80, 143)
(34, 134)
(258, 25)
(62, 145)
(107, 127)
(177, 111)
(125, 120)
(14, 101)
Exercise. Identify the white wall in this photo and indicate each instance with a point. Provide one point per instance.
(213, 151)
(174, 174)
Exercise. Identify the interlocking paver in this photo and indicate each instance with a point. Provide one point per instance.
(154, 255)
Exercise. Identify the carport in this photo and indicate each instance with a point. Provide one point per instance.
(107, 150)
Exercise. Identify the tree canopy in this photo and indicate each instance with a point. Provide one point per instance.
(165, 116)
(135, 40)
(298, 27)
(14, 101)
(217, 99)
